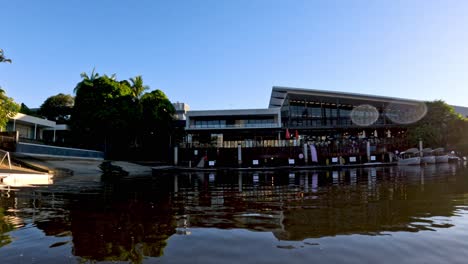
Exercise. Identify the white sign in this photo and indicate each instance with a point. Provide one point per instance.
(254, 162)
(195, 152)
(211, 162)
(334, 159)
(352, 159)
(291, 161)
(255, 178)
(372, 158)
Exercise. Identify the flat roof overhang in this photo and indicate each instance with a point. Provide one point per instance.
(234, 112)
(233, 128)
(280, 94)
(20, 118)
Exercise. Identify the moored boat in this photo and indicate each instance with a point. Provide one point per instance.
(409, 157)
(440, 155)
(428, 157)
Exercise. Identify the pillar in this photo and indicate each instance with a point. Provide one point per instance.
(368, 151)
(239, 154)
(306, 155)
(176, 155)
(420, 148)
(35, 131)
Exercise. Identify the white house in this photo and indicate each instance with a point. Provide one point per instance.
(31, 127)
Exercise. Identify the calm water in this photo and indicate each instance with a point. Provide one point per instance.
(371, 215)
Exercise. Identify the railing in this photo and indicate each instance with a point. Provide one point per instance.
(269, 125)
(6, 155)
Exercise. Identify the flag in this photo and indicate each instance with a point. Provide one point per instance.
(296, 135)
(313, 153)
(288, 136)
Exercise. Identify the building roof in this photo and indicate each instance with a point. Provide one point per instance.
(234, 112)
(279, 93)
(462, 110)
(27, 119)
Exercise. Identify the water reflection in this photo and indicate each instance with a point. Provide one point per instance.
(132, 219)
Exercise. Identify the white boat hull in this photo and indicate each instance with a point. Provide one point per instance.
(442, 159)
(428, 159)
(410, 161)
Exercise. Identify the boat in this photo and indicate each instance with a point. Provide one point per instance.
(409, 157)
(440, 155)
(428, 157)
(453, 158)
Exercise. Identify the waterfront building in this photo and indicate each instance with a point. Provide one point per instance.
(30, 127)
(343, 127)
(181, 110)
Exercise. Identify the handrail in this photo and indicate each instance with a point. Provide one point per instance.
(7, 155)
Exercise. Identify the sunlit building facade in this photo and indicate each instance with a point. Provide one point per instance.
(336, 123)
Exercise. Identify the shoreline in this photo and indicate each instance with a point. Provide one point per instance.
(156, 169)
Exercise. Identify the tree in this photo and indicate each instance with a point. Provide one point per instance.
(24, 109)
(2, 57)
(58, 108)
(157, 117)
(103, 113)
(440, 127)
(8, 108)
(137, 87)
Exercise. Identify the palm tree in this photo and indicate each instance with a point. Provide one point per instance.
(88, 79)
(137, 87)
(2, 57)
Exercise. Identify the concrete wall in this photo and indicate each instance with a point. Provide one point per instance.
(28, 148)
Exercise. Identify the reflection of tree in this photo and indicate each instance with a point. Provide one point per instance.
(125, 230)
(4, 228)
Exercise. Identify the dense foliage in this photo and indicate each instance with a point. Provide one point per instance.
(441, 127)
(8, 107)
(58, 107)
(109, 115)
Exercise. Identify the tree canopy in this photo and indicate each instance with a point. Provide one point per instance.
(116, 117)
(8, 108)
(440, 127)
(2, 57)
(58, 108)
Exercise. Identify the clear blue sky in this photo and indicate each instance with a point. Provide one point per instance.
(216, 54)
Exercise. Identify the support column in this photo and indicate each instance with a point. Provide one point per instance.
(35, 131)
(53, 140)
(176, 184)
(176, 155)
(306, 154)
(239, 154)
(368, 151)
(420, 148)
(14, 124)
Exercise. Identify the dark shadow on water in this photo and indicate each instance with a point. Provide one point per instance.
(133, 218)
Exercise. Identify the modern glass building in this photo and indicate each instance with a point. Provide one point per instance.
(337, 123)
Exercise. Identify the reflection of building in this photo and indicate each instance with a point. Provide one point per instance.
(339, 123)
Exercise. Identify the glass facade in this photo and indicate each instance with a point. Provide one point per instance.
(233, 122)
(326, 115)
